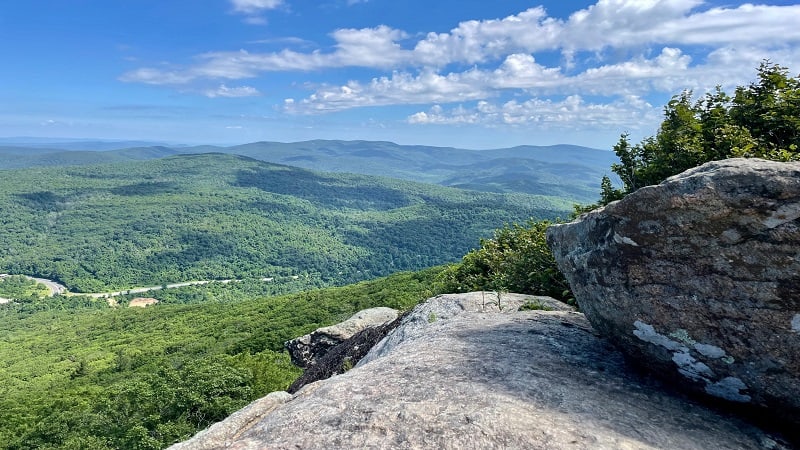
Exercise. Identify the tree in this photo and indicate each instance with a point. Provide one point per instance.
(770, 110)
(761, 120)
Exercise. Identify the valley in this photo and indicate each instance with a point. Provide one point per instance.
(186, 186)
(112, 227)
(290, 248)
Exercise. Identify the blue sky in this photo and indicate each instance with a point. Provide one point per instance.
(473, 74)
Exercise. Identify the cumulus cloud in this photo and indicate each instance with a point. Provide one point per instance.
(668, 72)
(569, 113)
(615, 52)
(400, 88)
(619, 24)
(475, 41)
(369, 47)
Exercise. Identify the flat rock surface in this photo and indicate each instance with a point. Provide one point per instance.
(464, 376)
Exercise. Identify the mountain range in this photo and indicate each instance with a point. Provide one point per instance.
(567, 171)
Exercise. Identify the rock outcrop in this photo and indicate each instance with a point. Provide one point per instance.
(306, 350)
(698, 278)
(223, 434)
(455, 375)
(344, 356)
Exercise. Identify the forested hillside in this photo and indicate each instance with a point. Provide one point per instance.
(131, 378)
(214, 216)
(562, 170)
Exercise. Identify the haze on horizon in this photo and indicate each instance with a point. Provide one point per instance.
(470, 74)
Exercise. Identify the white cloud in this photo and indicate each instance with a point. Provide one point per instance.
(621, 24)
(618, 24)
(400, 88)
(157, 76)
(254, 6)
(667, 72)
(745, 24)
(255, 20)
(475, 41)
(232, 92)
(625, 22)
(521, 70)
(615, 52)
(366, 47)
(288, 40)
(568, 114)
(369, 47)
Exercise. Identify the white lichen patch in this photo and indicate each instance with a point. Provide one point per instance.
(681, 344)
(796, 323)
(729, 388)
(784, 214)
(692, 368)
(647, 333)
(683, 336)
(710, 351)
(624, 240)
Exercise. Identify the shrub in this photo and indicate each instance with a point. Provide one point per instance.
(761, 120)
(516, 259)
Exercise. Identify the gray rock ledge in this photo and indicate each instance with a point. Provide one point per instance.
(463, 377)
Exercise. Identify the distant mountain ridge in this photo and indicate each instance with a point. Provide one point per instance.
(60, 144)
(569, 171)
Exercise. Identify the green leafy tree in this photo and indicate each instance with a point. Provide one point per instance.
(761, 120)
(770, 110)
(129, 378)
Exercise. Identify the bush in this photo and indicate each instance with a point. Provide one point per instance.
(516, 259)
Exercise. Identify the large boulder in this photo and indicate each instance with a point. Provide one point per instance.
(306, 350)
(698, 278)
(456, 375)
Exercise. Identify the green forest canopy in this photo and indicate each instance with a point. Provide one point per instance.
(214, 216)
(128, 378)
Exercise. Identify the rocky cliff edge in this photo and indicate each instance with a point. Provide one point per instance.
(458, 374)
